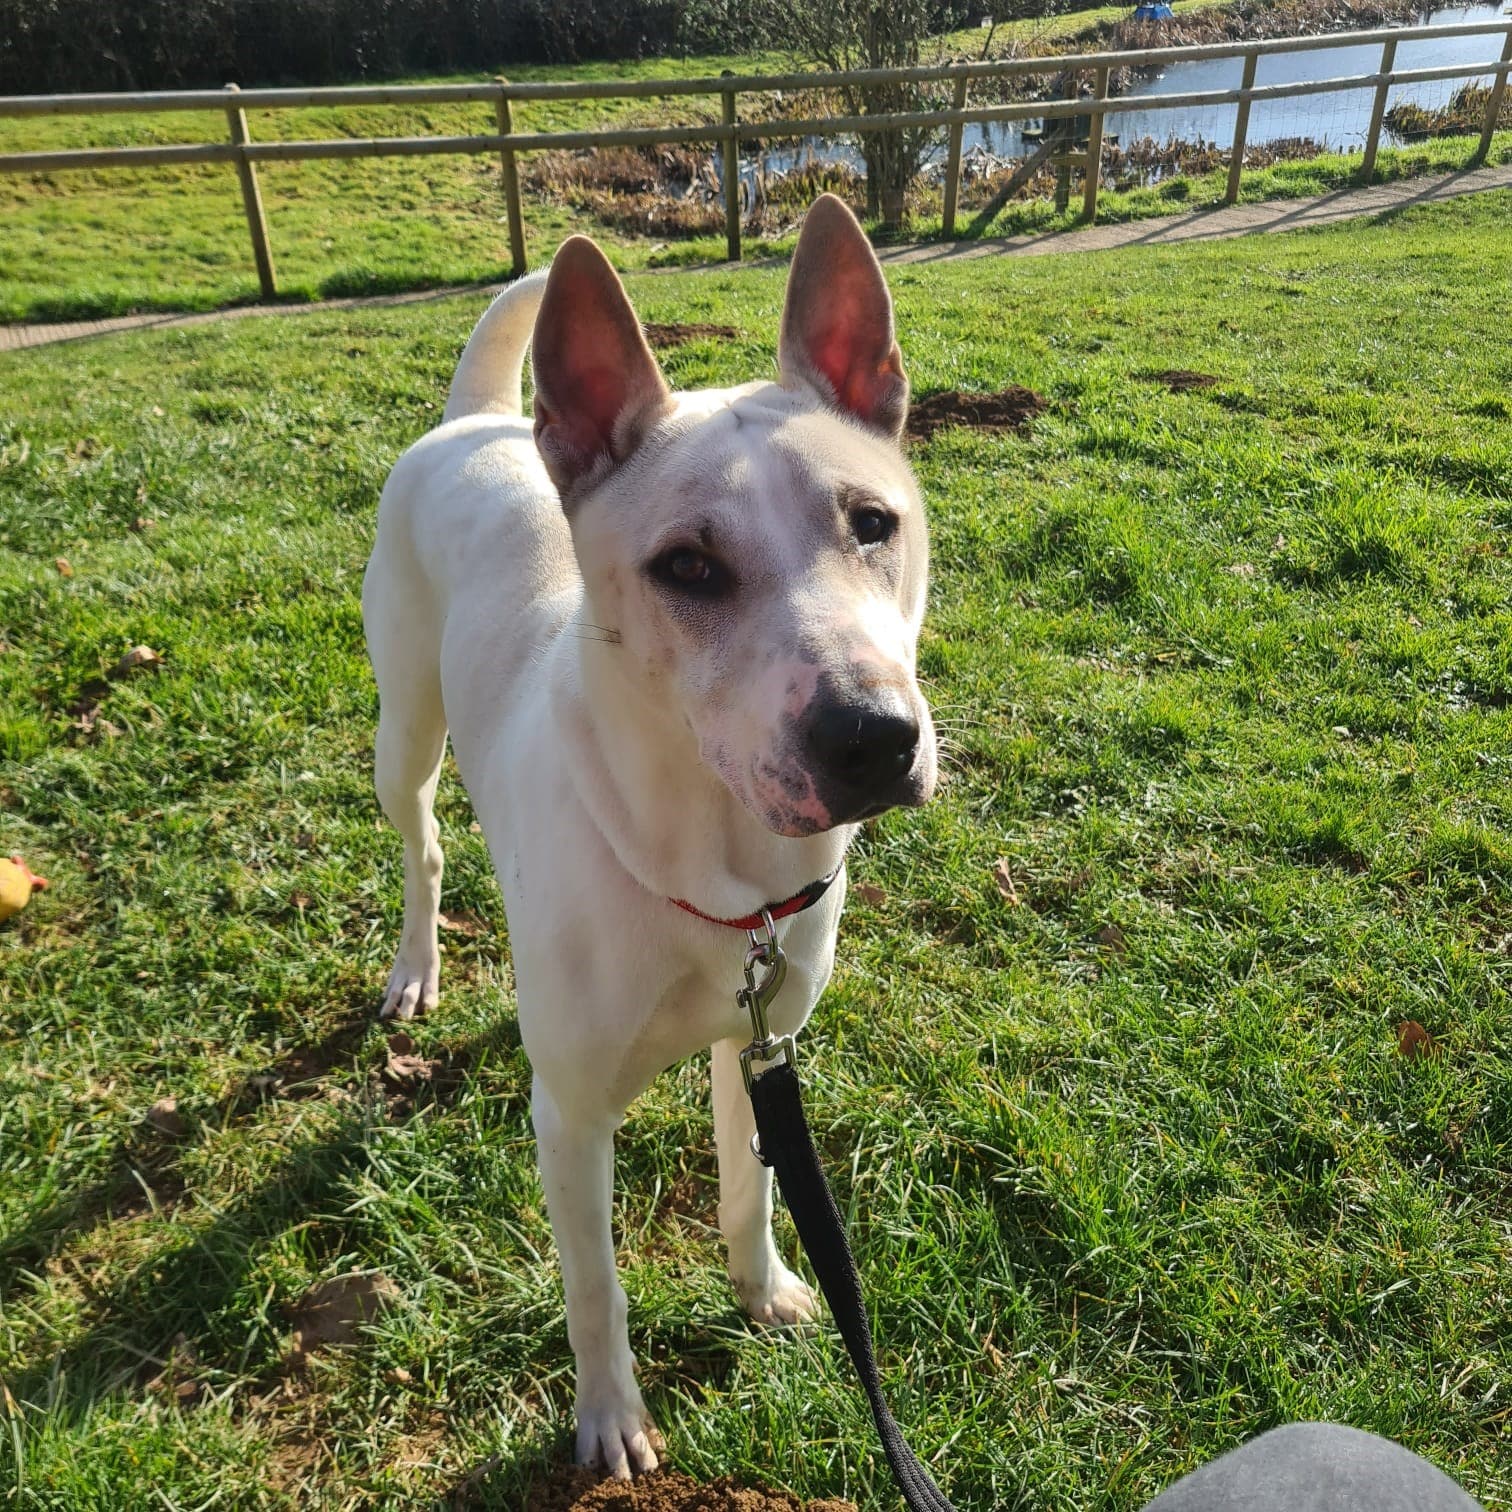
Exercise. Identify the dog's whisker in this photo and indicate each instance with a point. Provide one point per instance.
(599, 633)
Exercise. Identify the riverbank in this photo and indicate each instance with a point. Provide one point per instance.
(100, 243)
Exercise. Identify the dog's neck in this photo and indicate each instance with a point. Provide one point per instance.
(667, 816)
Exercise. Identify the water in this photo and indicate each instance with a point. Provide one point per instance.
(1337, 121)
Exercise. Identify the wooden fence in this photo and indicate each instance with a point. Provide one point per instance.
(731, 131)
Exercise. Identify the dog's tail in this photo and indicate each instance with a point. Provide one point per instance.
(487, 379)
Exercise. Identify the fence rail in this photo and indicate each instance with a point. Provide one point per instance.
(730, 132)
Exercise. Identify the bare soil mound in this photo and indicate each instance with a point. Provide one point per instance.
(1011, 410)
(675, 334)
(574, 1490)
(1180, 380)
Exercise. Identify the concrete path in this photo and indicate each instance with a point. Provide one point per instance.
(1196, 225)
(1227, 221)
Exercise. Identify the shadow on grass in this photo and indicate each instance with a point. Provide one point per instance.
(142, 1175)
(131, 1325)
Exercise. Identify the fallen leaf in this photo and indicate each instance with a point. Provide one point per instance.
(1004, 879)
(870, 893)
(139, 657)
(165, 1117)
(64, 566)
(464, 924)
(1415, 1042)
(143, 523)
(398, 1376)
(1241, 569)
(1111, 937)
(333, 1312)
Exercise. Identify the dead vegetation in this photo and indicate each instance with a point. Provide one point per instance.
(676, 191)
(1464, 115)
(1250, 21)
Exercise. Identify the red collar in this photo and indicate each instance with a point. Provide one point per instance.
(805, 898)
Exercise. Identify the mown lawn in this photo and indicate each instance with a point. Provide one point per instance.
(90, 243)
(1133, 1166)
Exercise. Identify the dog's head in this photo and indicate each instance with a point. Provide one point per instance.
(760, 551)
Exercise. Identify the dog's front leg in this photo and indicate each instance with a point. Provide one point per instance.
(770, 1291)
(576, 1152)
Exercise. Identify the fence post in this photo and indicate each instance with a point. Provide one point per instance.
(1494, 104)
(731, 175)
(511, 178)
(252, 203)
(1094, 150)
(1241, 128)
(1378, 110)
(1065, 129)
(953, 162)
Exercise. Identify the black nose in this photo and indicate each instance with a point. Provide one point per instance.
(863, 747)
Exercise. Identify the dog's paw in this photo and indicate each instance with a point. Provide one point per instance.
(785, 1298)
(618, 1436)
(413, 988)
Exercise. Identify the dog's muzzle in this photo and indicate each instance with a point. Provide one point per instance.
(861, 754)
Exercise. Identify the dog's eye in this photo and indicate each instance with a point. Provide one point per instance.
(873, 526)
(692, 572)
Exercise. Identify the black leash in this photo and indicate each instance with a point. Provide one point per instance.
(784, 1143)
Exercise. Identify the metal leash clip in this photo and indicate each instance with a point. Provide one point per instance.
(755, 998)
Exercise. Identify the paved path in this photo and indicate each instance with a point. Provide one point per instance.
(1196, 225)
(1227, 221)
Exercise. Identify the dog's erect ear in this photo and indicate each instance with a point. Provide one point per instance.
(837, 324)
(598, 389)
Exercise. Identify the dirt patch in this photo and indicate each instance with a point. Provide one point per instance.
(677, 334)
(573, 1490)
(1180, 380)
(1010, 410)
(333, 1313)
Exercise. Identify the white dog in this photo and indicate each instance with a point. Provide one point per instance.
(673, 638)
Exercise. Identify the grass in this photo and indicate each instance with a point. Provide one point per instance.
(1228, 670)
(92, 243)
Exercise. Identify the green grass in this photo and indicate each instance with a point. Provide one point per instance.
(85, 244)
(1230, 670)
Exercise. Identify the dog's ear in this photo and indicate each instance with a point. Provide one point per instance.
(837, 324)
(598, 389)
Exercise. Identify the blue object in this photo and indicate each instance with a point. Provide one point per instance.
(1152, 10)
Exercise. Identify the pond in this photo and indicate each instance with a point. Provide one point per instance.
(1338, 121)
